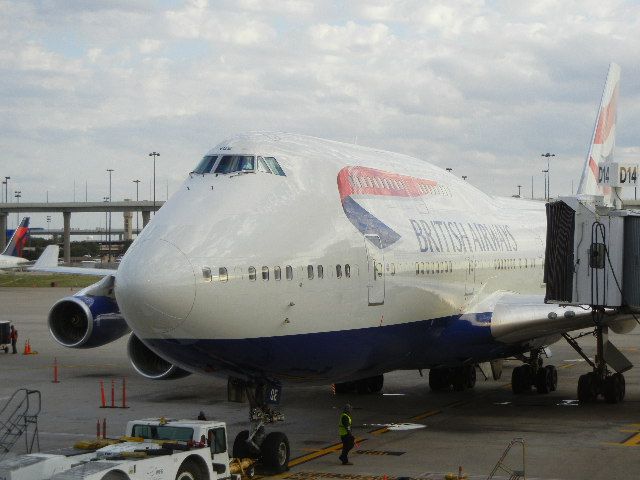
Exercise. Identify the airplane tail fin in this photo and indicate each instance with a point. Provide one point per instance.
(48, 258)
(18, 239)
(603, 139)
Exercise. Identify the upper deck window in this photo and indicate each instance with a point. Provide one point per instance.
(235, 163)
(206, 164)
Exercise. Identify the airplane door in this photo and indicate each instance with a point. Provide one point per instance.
(470, 277)
(375, 261)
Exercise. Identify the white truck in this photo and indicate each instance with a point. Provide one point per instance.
(152, 449)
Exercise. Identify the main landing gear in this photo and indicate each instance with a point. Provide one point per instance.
(362, 386)
(601, 381)
(271, 450)
(459, 378)
(533, 374)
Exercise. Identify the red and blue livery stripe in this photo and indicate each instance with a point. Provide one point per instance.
(355, 181)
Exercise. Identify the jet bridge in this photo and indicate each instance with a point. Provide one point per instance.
(592, 258)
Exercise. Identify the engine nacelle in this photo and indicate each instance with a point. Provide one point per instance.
(150, 365)
(86, 321)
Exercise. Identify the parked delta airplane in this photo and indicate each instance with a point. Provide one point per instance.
(290, 259)
(11, 257)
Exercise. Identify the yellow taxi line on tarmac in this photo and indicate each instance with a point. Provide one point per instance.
(632, 441)
(319, 453)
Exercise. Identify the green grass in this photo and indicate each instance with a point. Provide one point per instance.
(39, 280)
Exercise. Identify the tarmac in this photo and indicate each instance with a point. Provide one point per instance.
(563, 440)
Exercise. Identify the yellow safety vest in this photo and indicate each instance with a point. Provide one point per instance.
(342, 430)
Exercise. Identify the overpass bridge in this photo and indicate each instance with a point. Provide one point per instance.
(67, 208)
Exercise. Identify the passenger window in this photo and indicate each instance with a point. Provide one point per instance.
(338, 271)
(393, 269)
(252, 273)
(320, 271)
(274, 166)
(417, 268)
(289, 272)
(276, 273)
(222, 274)
(310, 272)
(347, 271)
(206, 274)
(265, 273)
(422, 268)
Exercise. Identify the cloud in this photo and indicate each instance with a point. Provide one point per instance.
(482, 87)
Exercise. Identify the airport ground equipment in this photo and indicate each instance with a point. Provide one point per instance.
(593, 259)
(502, 466)
(19, 417)
(152, 448)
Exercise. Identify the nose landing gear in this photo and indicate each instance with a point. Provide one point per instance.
(272, 449)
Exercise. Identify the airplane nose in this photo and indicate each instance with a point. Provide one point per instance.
(155, 286)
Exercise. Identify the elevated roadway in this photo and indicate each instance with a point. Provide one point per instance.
(67, 208)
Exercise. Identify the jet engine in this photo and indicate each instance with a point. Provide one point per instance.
(86, 321)
(150, 365)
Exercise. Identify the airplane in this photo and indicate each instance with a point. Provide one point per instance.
(288, 259)
(11, 257)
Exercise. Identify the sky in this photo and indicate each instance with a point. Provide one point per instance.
(482, 87)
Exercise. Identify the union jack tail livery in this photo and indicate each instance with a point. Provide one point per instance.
(604, 138)
(18, 239)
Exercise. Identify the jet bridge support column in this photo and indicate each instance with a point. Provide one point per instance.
(146, 215)
(3, 230)
(67, 236)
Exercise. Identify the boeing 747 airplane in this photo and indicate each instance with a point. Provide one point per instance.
(11, 257)
(290, 259)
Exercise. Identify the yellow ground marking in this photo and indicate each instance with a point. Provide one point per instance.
(319, 453)
(632, 441)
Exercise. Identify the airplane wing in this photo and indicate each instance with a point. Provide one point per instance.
(521, 318)
(48, 262)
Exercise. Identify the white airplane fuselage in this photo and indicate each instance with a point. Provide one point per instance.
(7, 261)
(427, 256)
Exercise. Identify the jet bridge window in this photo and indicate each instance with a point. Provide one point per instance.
(235, 163)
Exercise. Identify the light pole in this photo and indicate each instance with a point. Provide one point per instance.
(49, 224)
(519, 187)
(110, 170)
(106, 216)
(464, 177)
(448, 169)
(154, 155)
(18, 195)
(137, 182)
(6, 189)
(548, 156)
(546, 192)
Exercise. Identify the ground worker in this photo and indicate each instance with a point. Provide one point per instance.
(13, 336)
(344, 429)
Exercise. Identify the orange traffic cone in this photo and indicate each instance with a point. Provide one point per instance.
(29, 352)
(26, 348)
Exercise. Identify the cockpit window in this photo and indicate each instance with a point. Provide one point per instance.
(206, 164)
(235, 163)
(262, 166)
(274, 166)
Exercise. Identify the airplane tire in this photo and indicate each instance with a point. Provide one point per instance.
(554, 377)
(543, 380)
(460, 380)
(376, 383)
(471, 376)
(241, 449)
(276, 452)
(439, 379)
(614, 388)
(587, 388)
